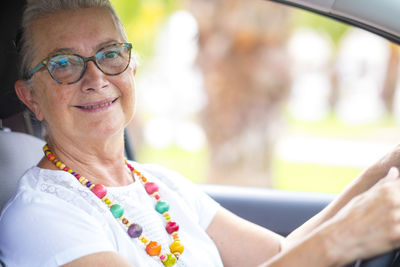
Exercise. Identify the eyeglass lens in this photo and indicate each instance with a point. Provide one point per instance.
(111, 60)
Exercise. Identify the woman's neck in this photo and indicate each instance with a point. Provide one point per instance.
(100, 161)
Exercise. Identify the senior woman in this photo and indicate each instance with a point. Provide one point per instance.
(85, 205)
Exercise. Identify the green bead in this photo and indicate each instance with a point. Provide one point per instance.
(117, 210)
(170, 260)
(162, 207)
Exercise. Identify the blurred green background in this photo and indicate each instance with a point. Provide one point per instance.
(144, 20)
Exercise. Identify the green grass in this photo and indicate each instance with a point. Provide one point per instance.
(192, 165)
(286, 175)
(311, 177)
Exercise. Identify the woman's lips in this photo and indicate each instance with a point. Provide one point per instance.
(97, 106)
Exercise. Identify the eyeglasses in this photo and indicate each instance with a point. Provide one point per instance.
(69, 68)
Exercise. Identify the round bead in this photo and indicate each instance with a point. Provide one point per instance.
(143, 239)
(117, 210)
(162, 207)
(176, 247)
(89, 183)
(170, 260)
(153, 248)
(151, 188)
(99, 190)
(135, 230)
(172, 227)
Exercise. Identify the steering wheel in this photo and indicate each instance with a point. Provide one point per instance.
(384, 260)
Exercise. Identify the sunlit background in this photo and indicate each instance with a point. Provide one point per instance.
(257, 94)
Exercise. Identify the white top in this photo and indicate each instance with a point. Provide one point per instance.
(53, 220)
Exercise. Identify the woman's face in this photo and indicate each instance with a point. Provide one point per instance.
(98, 105)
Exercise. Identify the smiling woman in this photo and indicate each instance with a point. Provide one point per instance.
(84, 204)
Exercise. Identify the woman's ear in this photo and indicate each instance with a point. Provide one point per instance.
(26, 95)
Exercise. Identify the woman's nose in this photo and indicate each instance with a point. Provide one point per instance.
(93, 78)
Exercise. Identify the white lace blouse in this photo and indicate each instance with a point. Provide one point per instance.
(53, 220)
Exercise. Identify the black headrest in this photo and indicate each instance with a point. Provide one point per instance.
(10, 19)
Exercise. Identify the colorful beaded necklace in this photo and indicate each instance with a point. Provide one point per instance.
(152, 248)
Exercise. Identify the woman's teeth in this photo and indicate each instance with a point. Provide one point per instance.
(97, 106)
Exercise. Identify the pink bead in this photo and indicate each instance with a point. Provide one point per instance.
(157, 197)
(151, 188)
(172, 227)
(99, 190)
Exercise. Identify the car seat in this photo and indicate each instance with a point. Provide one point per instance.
(18, 152)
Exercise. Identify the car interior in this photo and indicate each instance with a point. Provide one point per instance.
(281, 211)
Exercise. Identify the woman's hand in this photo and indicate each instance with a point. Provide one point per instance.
(369, 224)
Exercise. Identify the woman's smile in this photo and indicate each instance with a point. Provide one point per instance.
(97, 106)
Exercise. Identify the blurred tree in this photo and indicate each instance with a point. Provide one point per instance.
(143, 20)
(391, 79)
(246, 75)
(335, 31)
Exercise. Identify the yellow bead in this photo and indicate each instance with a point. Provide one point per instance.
(45, 147)
(107, 201)
(58, 163)
(62, 166)
(70, 171)
(176, 246)
(144, 240)
(91, 186)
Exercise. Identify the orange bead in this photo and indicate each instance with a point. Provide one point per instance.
(153, 248)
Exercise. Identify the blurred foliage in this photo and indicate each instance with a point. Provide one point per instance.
(311, 177)
(143, 19)
(334, 29)
(192, 165)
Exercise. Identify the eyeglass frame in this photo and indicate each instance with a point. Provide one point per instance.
(45, 61)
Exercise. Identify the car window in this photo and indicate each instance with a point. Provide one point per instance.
(265, 95)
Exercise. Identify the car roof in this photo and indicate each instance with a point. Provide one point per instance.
(379, 17)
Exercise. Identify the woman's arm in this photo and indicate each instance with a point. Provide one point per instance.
(240, 242)
(367, 226)
(362, 183)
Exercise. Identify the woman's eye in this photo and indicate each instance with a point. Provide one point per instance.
(111, 54)
(61, 63)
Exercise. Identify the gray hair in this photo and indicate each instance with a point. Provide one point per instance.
(36, 9)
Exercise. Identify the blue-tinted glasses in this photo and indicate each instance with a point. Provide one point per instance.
(69, 68)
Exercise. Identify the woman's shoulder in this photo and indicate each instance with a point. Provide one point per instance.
(43, 189)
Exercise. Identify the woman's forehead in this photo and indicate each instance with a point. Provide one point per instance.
(79, 31)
